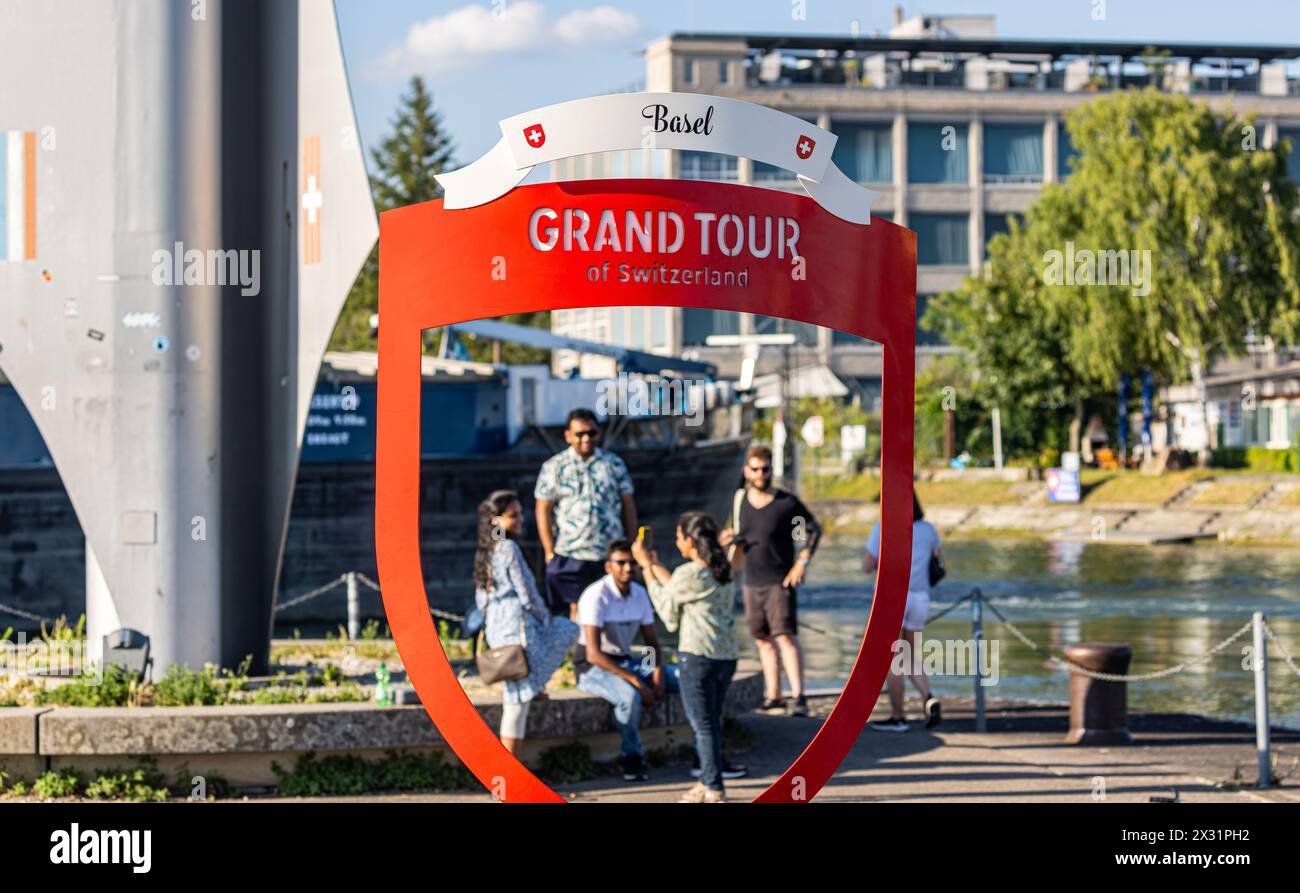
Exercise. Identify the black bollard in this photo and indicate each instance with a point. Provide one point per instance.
(1098, 709)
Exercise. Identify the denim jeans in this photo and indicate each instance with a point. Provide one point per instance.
(625, 698)
(704, 684)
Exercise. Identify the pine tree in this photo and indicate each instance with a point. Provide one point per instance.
(404, 166)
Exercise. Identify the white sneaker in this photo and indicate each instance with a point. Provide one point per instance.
(891, 725)
(932, 712)
(701, 794)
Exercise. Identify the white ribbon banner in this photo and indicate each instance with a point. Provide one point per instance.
(690, 121)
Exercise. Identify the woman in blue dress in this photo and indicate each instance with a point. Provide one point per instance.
(514, 612)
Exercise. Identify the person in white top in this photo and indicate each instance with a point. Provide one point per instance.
(925, 545)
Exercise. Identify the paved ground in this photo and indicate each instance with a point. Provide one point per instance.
(1020, 759)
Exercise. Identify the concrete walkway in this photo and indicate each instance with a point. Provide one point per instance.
(1020, 759)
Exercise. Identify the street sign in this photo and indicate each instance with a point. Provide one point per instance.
(1062, 485)
(814, 431)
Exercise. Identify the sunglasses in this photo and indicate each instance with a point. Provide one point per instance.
(590, 432)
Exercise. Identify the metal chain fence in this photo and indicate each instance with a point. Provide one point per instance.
(1281, 649)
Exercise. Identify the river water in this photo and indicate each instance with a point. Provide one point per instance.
(1168, 603)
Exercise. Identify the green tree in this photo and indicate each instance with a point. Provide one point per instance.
(404, 166)
(1182, 186)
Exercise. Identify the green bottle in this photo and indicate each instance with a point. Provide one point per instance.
(383, 696)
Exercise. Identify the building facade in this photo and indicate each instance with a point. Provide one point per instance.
(955, 129)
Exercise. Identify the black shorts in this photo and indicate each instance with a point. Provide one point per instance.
(566, 578)
(771, 610)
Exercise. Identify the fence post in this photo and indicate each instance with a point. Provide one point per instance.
(977, 634)
(354, 607)
(1261, 701)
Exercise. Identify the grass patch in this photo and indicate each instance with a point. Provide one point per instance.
(343, 775)
(58, 783)
(116, 688)
(567, 763)
(182, 687)
(865, 487)
(971, 492)
(143, 784)
(1230, 492)
(1134, 488)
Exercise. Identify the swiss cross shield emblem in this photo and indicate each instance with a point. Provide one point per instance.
(804, 147)
(535, 135)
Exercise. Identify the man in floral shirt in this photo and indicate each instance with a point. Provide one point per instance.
(584, 500)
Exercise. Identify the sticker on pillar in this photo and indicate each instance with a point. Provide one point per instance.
(137, 528)
(634, 246)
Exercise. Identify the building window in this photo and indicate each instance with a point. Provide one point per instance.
(773, 175)
(1258, 424)
(804, 333)
(707, 166)
(724, 72)
(865, 152)
(936, 153)
(688, 71)
(658, 328)
(698, 325)
(1292, 160)
(658, 162)
(925, 337)
(1013, 153)
(1065, 152)
(995, 224)
(941, 239)
(637, 336)
(838, 337)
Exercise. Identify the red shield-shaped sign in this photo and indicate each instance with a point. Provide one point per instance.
(535, 135)
(436, 268)
(804, 146)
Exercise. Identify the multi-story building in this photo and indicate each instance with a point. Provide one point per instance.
(954, 128)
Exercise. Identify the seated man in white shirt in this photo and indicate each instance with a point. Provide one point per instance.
(611, 612)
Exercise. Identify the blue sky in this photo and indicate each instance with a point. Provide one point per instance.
(483, 68)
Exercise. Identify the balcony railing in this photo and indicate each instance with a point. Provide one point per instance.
(1013, 179)
(858, 73)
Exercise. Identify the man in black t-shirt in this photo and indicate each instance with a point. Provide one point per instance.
(775, 537)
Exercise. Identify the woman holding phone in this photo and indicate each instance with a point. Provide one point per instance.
(697, 599)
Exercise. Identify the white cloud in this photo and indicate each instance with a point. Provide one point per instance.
(472, 34)
(600, 24)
